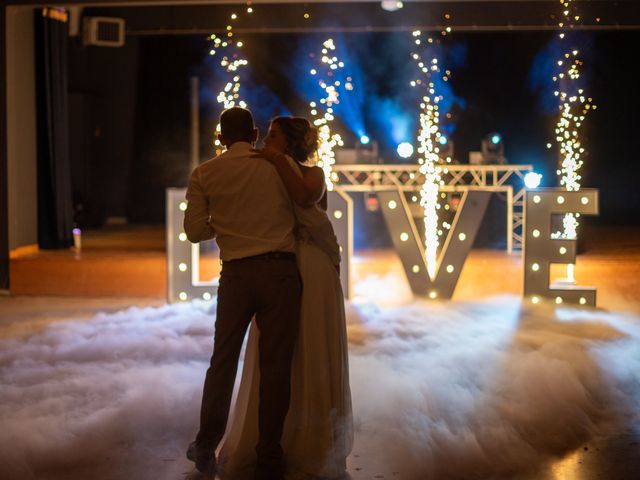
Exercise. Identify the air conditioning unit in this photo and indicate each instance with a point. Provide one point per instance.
(103, 31)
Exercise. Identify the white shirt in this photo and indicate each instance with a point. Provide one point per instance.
(241, 202)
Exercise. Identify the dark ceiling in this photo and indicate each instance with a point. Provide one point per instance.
(166, 17)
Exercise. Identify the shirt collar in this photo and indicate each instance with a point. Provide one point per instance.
(238, 146)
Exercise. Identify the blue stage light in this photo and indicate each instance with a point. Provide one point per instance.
(532, 180)
(496, 139)
(405, 149)
(364, 139)
(443, 140)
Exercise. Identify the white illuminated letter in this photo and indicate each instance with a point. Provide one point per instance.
(340, 201)
(183, 258)
(540, 250)
(411, 250)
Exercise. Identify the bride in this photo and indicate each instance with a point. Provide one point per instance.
(318, 431)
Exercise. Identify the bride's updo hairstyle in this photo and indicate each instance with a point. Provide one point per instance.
(302, 137)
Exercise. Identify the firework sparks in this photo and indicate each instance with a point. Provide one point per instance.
(322, 111)
(429, 137)
(574, 106)
(228, 48)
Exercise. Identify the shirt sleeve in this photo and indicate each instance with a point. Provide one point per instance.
(197, 220)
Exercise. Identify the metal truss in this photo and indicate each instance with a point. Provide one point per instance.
(508, 179)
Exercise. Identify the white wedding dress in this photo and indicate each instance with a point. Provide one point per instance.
(318, 431)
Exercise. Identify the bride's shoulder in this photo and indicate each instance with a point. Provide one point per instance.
(313, 170)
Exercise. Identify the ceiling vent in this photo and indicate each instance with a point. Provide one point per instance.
(103, 31)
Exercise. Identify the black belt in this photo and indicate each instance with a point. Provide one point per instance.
(265, 256)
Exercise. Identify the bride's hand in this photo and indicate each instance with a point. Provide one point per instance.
(270, 154)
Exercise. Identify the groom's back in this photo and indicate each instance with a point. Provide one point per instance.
(249, 206)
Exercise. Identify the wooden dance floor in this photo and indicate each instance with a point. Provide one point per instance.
(131, 262)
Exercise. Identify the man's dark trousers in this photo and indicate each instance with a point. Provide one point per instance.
(270, 289)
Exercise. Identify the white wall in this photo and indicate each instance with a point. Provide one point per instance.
(21, 128)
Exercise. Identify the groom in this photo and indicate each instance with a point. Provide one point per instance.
(244, 205)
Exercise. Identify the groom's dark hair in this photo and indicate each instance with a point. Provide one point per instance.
(236, 125)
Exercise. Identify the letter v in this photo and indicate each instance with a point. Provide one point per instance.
(410, 247)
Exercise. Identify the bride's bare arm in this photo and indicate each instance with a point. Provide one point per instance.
(305, 190)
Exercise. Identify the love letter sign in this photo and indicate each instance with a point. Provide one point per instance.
(540, 249)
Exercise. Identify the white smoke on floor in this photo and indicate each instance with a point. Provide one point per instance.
(84, 391)
(487, 388)
(440, 389)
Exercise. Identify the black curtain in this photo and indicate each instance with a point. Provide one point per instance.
(4, 191)
(55, 210)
